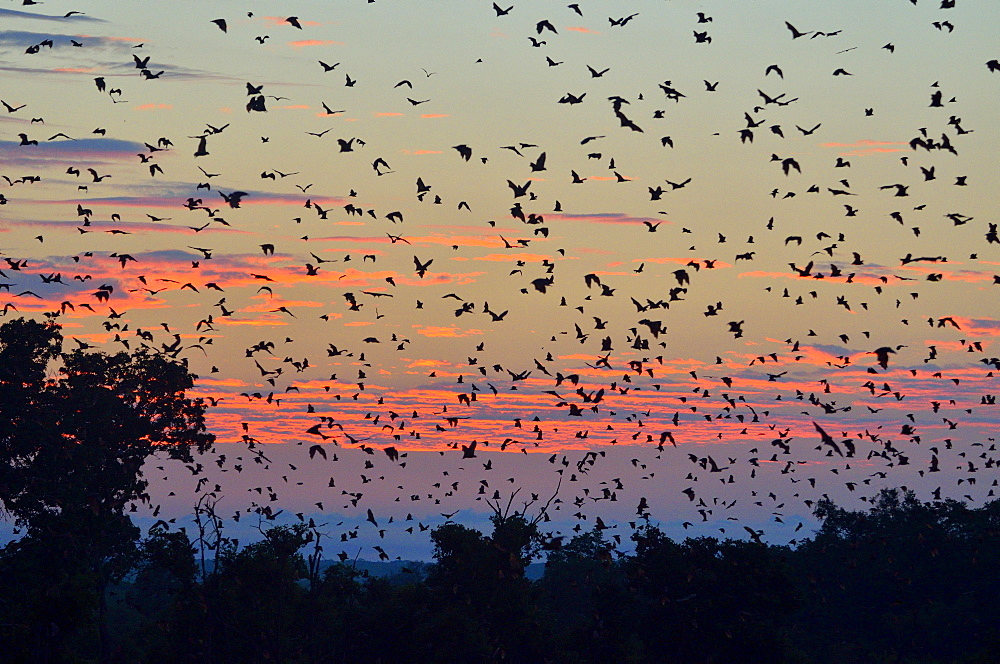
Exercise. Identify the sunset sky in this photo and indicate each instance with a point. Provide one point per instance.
(649, 249)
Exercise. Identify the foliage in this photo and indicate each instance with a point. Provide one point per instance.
(915, 579)
(904, 582)
(481, 602)
(75, 430)
(77, 442)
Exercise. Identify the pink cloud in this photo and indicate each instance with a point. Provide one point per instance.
(281, 21)
(866, 147)
(313, 42)
(979, 326)
(131, 40)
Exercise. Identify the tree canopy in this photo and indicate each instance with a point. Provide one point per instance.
(75, 430)
(76, 427)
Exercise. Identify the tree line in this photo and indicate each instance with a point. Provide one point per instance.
(904, 581)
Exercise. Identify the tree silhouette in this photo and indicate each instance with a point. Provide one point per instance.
(259, 594)
(577, 577)
(906, 579)
(480, 600)
(75, 430)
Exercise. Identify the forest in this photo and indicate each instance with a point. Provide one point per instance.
(904, 581)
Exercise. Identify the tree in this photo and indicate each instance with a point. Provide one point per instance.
(86, 434)
(159, 617)
(703, 600)
(481, 603)
(581, 579)
(259, 597)
(75, 430)
(903, 580)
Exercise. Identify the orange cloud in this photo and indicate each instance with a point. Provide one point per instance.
(716, 264)
(251, 322)
(978, 326)
(866, 147)
(435, 115)
(416, 364)
(969, 276)
(313, 42)
(220, 382)
(151, 107)
(272, 303)
(280, 20)
(502, 258)
(770, 275)
(586, 31)
(451, 331)
(277, 199)
(459, 240)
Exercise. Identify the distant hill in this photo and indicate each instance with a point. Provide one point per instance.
(406, 569)
(414, 570)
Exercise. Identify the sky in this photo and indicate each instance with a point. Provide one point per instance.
(696, 263)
